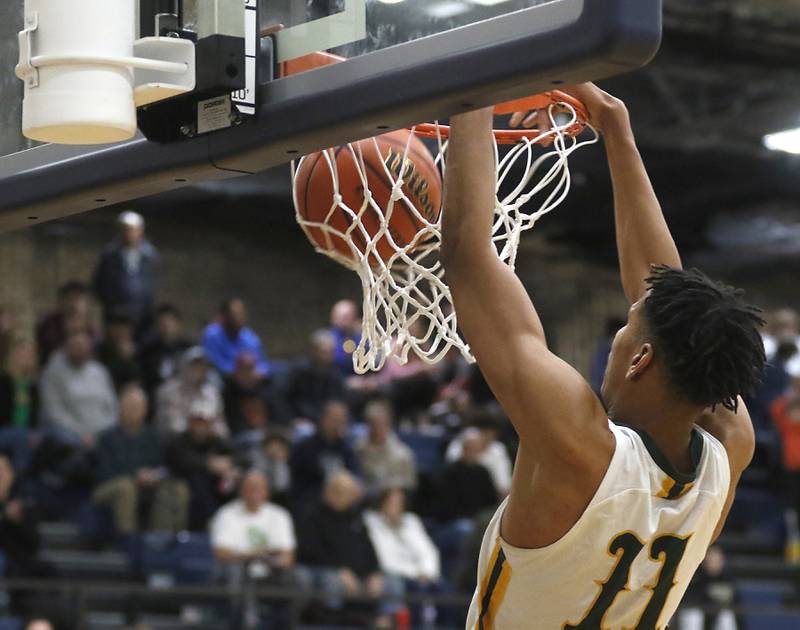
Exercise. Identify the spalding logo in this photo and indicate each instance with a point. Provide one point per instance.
(414, 182)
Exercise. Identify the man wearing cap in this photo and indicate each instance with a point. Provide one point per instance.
(191, 389)
(125, 277)
(203, 460)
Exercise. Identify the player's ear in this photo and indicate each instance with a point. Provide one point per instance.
(640, 362)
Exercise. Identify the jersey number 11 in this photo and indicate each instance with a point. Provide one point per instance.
(667, 550)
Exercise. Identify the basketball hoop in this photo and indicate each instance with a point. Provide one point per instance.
(407, 304)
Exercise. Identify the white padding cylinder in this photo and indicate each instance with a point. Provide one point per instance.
(81, 103)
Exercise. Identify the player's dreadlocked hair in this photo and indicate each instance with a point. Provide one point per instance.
(707, 335)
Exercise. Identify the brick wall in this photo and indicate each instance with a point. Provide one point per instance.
(289, 288)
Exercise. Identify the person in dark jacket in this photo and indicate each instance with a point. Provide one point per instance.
(131, 474)
(125, 277)
(335, 544)
(19, 538)
(315, 380)
(466, 486)
(162, 352)
(74, 305)
(244, 389)
(203, 460)
(325, 452)
(117, 351)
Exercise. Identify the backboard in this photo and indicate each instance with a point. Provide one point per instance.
(352, 28)
(406, 62)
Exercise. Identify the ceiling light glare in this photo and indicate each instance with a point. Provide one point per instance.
(787, 141)
(445, 10)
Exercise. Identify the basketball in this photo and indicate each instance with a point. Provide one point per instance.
(382, 157)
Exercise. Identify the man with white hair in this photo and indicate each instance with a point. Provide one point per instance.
(125, 277)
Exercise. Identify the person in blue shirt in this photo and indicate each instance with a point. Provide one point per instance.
(346, 331)
(229, 336)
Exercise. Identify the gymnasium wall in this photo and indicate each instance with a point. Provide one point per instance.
(288, 287)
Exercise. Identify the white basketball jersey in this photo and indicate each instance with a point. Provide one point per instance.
(626, 563)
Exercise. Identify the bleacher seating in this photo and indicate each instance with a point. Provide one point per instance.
(185, 558)
(428, 449)
(770, 622)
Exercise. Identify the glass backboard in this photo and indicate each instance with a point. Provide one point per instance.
(398, 63)
(11, 138)
(351, 28)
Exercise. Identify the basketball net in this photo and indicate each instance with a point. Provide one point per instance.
(407, 304)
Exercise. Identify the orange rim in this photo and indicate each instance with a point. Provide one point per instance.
(513, 136)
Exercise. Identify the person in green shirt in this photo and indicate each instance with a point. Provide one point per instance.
(18, 396)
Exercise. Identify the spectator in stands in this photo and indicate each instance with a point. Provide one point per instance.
(162, 351)
(253, 538)
(784, 327)
(710, 597)
(126, 273)
(493, 454)
(335, 545)
(227, 338)
(774, 383)
(191, 388)
(242, 389)
(786, 416)
(76, 393)
(406, 554)
(18, 391)
(131, 473)
(19, 535)
(466, 486)
(203, 460)
(270, 456)
(385, 461)
(8, 331)
(346, 331)
(117, 351)
(320, 455)
(413, 386)
(18, 405)
(315, 380)
(51, 331)
(275, 464)
(248, 441)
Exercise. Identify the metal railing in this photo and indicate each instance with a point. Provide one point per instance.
(138, 595)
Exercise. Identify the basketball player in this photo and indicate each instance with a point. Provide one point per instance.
(607, 520)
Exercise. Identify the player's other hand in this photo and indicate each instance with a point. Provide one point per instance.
(538, 118)
(604, 109)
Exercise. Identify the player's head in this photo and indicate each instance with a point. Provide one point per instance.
(694, 339)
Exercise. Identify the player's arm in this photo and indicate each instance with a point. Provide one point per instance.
(548, 402)
(643, 238)
(735, 431)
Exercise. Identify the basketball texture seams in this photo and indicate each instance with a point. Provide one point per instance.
(382, 165)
